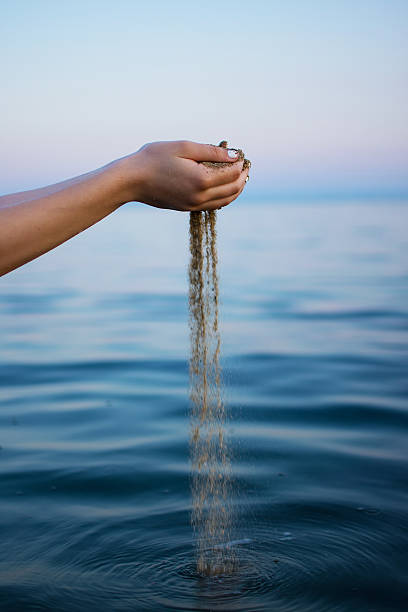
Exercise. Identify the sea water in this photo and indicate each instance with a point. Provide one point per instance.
(95, 499)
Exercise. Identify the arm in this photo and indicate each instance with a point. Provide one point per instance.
(162, 174)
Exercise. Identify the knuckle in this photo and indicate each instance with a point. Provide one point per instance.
(232, 173)
(236, 172)
(196, 200)
(237, 185)
(147, 148)
(203, 181)
(184, 146)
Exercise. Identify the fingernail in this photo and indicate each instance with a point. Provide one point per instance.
(232, 153)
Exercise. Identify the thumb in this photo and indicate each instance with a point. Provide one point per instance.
(207, 152)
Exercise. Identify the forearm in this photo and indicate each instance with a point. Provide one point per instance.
(34, 194)
(161, 174)
(32, 223)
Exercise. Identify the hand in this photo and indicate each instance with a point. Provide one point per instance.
(168, 175)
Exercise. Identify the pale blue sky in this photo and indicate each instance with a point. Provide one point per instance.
(316, 91)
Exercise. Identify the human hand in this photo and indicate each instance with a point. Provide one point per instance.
(168, 175)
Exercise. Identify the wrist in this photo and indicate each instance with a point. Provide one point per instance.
(127, 174)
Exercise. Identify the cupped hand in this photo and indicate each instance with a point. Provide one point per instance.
(168, 175)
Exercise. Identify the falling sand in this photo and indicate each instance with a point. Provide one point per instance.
(211, 478)
(211, 465)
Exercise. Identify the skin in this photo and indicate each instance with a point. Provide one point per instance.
(161, 174)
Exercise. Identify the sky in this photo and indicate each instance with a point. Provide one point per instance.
(315, 92)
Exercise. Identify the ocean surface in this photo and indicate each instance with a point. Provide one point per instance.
(94, 414)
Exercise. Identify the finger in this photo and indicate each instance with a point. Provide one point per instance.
(224, 190)
(221, 175)
(206, 152)
(217, 204)
(220, 202)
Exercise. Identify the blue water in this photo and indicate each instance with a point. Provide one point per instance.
(94, 469)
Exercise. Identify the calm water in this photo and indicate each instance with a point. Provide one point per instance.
(94, 469)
